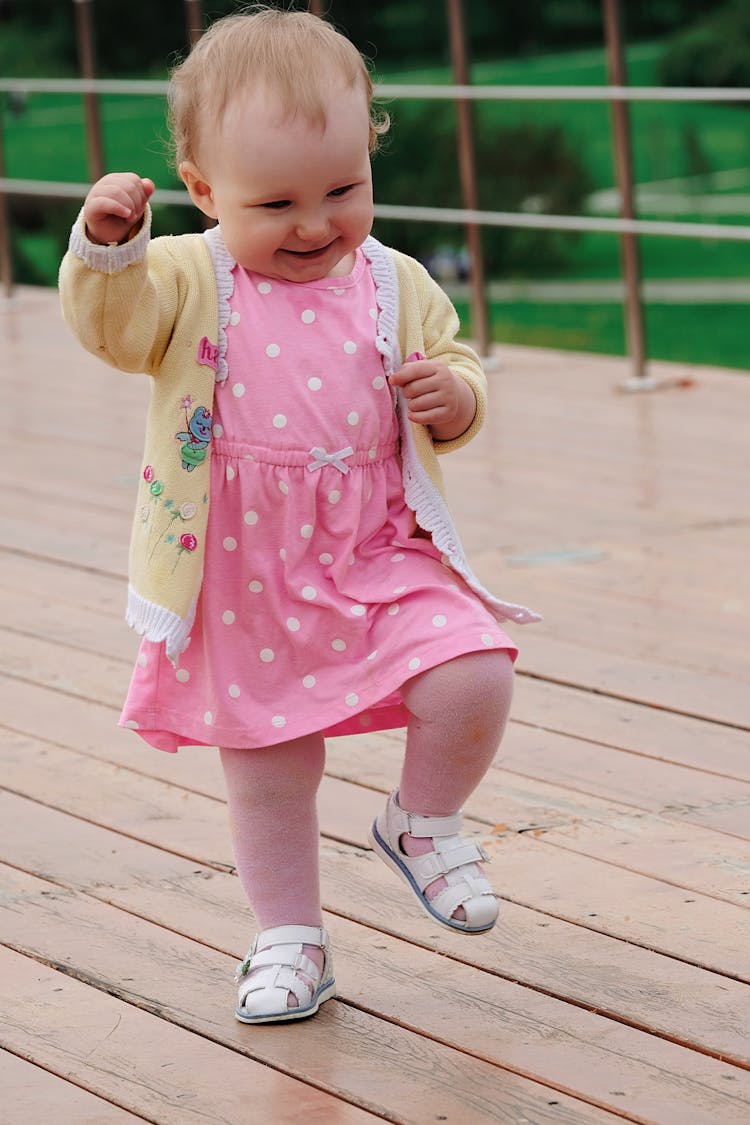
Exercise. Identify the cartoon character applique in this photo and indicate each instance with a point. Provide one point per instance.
(197, 436)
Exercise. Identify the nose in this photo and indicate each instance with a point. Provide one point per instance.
(312, 227)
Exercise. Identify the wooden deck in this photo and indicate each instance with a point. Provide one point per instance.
(618, 810)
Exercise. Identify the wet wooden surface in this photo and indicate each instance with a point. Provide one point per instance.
(617, 812)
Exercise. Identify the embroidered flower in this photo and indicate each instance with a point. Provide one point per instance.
(188, 510)
(186, 402)
(188, 542)
(148, 474)
(145, 512)
(156, 488)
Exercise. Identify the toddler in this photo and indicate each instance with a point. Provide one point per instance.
(294, 570)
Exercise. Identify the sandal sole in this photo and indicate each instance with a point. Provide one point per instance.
(326, 992)
(390, 858)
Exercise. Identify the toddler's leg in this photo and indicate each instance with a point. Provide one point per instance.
(458, 714)
(271, 794)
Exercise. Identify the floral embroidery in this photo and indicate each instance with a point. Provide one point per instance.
(174, 510)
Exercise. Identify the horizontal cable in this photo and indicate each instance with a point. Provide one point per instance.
(497, 92)
(729, 232)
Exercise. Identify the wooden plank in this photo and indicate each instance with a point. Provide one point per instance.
(645, 731)
(146, 1063)
(31, 1093)
(380, 1067)
(591, 893)
(537, 1034)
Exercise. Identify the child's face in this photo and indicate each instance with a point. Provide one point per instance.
(293, 202)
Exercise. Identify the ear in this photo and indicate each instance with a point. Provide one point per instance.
(198, 187)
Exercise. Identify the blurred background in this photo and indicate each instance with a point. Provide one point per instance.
(563, 289)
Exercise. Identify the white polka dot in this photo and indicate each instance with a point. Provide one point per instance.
(234, 691)
(250, 518)
(182, 675)
(352, 699)
(230, 473)
(414, 663)
(373, 654)
(228, 617)
(267, 655)
(131, 724)
(255, 587)
(338, 645)
(235, 318)
(399, 589)
(217, 430)
(142, 660)
(309, 682)
(374, 314)
(338, 292)
(306, 530)
(208, 718)
(238, 390)
(282, 554)
(273, 350)
(393, 609)
(308, 316)
(309, 593)
(487, 640)
(278, 721)
(315, 383)
(334, 496)
(284, 487)
(357, 610)
(350, 560)
(378, 382)
(230, 544)
(372, 454)
(350, 347)
(292, 624)
(353, 418)
(264, 287)
(398, 557)
(325, 559)
(439, 620)
(279, 421)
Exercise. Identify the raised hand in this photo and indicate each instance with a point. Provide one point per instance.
(115, 206)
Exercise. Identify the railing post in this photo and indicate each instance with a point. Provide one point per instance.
(194, 19)
(467, 169)
(6, 260)
(634, 326)
(85, 40)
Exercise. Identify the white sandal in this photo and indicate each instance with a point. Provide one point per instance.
(453, 858)
(276, 967)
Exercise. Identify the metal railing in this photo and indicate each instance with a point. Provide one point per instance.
(618, 95)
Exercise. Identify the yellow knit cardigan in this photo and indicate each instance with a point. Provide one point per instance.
(161, 307)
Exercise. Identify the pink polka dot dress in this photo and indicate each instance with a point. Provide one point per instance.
(318, 600)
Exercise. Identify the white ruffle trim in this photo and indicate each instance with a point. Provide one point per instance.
(423, 497)
(224, 263)
(110, 259)
(158, 624)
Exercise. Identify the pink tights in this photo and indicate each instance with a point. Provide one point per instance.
(458, 712)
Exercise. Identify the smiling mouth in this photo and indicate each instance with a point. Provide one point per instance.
(310, 253)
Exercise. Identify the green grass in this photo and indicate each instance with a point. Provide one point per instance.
(707, 334)
(670, 140)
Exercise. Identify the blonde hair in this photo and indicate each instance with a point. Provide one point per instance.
(295, 55)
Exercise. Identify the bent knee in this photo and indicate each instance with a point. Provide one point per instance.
(476, 683)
